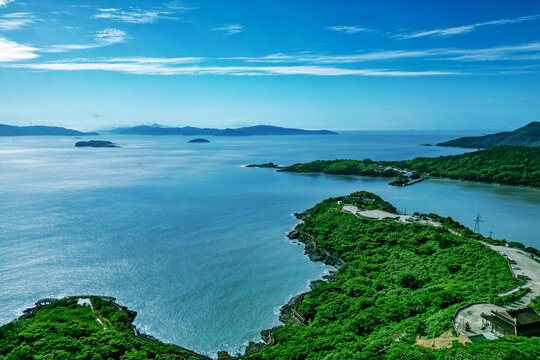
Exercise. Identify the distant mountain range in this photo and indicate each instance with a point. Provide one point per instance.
(194, 131)
(528, 135)
(9, 130)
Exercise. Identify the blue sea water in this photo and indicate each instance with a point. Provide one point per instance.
(191, 240)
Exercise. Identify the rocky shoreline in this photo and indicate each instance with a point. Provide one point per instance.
(288, 314)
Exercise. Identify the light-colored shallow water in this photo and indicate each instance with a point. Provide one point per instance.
(192, 241)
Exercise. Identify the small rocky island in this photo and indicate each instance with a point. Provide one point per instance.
(96, 144)
(199, 140)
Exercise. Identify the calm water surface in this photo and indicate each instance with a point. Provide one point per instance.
(188, 238)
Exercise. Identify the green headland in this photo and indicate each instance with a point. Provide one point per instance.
(510, 165)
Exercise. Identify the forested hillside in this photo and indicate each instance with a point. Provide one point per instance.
(511, 165)
(528, 135)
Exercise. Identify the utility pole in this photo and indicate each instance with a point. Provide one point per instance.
(477, 222)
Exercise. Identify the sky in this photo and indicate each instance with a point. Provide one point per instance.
(366, 65)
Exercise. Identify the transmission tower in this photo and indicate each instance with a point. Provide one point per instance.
(477, 222)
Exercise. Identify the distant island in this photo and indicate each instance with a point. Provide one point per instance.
(96, 144)
(510, 165)
(199, 140)
(396, 287)
(528, 135)
(195, 131)
(36, 130)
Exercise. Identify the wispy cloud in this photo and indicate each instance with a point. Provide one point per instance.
(15, 21)
(179, 6)
(5, 2)
(12, 51)
(150, 60)
(103, 38)
(110, 36)
(467, 28)
(528, 51)
(134, 16)
(230, 29)
(160, 69)
(349, 29)
(340, 59)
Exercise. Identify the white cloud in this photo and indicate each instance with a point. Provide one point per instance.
(15, 21)
(155, 68)
(146, 60)
(103, 38)
(5, 2)
(110, 36)
(135, 16)
(230, 29)
(467, 28)
(349, 29)
(12, 51)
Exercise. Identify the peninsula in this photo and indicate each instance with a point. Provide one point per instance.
(528, 135)
(511, 165)
(400, 284)
(36, 130)
(195, 131)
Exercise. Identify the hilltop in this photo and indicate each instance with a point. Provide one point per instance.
(195, 131)
(528, 135)
(38, 130)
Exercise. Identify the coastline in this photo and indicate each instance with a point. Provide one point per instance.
(288, 313)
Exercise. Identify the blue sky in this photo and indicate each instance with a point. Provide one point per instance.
(311, 64)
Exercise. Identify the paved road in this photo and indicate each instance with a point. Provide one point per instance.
(529, 267)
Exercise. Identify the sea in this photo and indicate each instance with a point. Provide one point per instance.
(193, 241)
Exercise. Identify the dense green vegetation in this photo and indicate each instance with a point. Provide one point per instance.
(65, 330)
(400, 280)
(365, 167)
(512, 165)
(528, 135)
